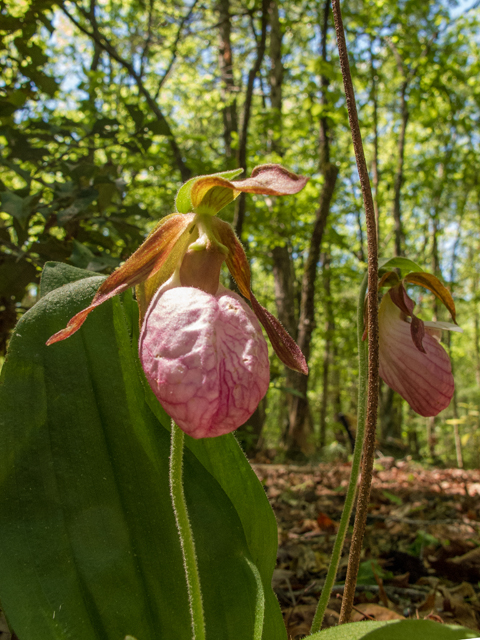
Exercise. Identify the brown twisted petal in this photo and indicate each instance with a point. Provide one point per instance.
(147, 261)
(284, 345)
(268, 179)
(406, 305)
(271, 179)
(433, 284)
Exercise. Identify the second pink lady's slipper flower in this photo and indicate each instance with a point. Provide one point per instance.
(201, 345)
(412, 360)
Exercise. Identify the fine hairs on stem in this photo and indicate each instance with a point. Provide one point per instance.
(185, 533)
(372, 323)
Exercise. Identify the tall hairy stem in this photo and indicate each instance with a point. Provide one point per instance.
(372, 323)
(185, 533)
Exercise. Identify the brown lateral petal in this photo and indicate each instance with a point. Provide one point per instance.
(146, 290)
(417, 331)
(406, 305)
(236, 259)
(271, 179)
(211, 193)
(401, 299)
(284, 345)
(147, 260)
(433, 284)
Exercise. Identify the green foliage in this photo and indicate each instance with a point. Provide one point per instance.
(394, 630)
(422, 540)
(98, 131)
(367, 571)
(90, 547)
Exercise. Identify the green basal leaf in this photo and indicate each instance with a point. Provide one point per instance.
(404, 264)
(183, 201)
(56, 274)
(89, 544)
(395, 630)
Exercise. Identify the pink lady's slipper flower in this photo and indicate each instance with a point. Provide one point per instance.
(412, 360)
(201, 345)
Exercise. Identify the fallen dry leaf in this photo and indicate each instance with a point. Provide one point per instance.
(375, 611)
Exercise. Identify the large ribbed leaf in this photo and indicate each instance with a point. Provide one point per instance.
(88, 542)
(395, 630)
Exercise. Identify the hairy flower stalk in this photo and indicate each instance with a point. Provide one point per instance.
(201, 346)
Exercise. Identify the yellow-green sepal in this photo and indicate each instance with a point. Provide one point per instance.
(184, 203)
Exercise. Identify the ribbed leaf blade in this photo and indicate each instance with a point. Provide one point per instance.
(89, 544)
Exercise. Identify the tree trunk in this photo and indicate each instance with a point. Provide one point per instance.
(328, 352)
(431, 441)
(390, 417)
(476, 319)
(276, 78)
(299, 410)
(397, 214)
(284, 281)
(456, 433)
(239, 216)
(229, 111)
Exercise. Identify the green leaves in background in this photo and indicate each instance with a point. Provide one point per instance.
(395, 630)
(88, 539)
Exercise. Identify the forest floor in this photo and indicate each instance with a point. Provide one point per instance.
(421, 548)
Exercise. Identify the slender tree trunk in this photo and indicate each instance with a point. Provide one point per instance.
(390, 416)
(324, 134)
(458, 446)
(285, 299)
(397, 193)
(229, 112)
(284, 281)
(239, 216)
(477, 332)
(283, 268)
(476, 318)
(456, 433)
(477, 344)
(328, 352)
(435, 264)
(390, 419)
(276, 78)
(431, 441)
(299, 410)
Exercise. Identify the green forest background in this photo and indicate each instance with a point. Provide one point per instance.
(107, 107)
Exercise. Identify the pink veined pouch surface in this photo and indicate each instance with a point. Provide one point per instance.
(205, 358)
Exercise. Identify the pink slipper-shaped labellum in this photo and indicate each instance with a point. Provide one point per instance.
(423, 379)
(205, 358)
